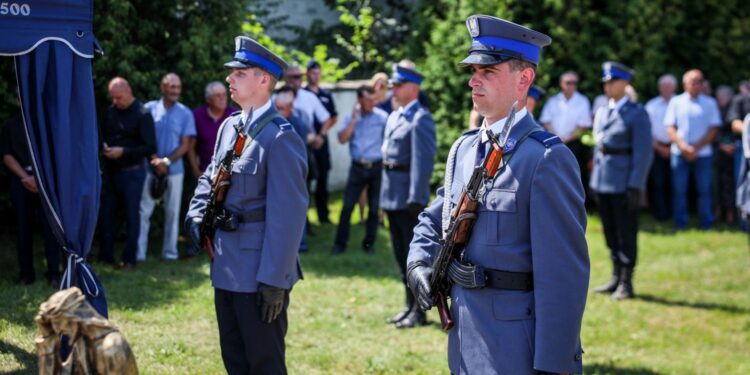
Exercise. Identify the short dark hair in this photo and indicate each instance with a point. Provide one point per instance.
(516, 65)
(361, 90)
(287, 88)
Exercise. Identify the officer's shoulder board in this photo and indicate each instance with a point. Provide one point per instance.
(471, 132)
(282, 123)
(546, 138)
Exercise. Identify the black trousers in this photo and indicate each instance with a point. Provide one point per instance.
(323, 161)
(248, 345)
(121, 198)
(359, 180)
(660, 178)
(583, 155)
(27, 206)
(402, 230)
(620, 228)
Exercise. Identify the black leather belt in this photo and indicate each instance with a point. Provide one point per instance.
(229, 221)
(616, 151)
(664, 143)
(473, 277)
(368, 165)
(396, 167)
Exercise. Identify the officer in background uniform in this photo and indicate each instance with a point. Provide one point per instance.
(409, 146)
(256, 260)
(535, 96)
(622, 158)
(528, 244)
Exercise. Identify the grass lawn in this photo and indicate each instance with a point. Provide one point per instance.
(692, 315)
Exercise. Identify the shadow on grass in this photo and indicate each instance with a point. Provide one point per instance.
(27, 360)
(694, 305)
(354, 262)
(152, 284)
(602, 369)
(647, 224)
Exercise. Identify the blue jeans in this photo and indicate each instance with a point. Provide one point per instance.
(701, 169)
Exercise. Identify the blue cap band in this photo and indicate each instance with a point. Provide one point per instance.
(259, 60)
(407, 76)
(528, 51)
(617, 74)
(535, 93)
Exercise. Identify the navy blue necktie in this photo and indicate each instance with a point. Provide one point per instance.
(481, 151)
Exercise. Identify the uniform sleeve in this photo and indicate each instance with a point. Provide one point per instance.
(286, 210)
(427, 233)
(423, 149)
(560, 260)
(641, 153)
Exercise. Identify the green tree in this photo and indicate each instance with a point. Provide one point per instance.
(654, 37)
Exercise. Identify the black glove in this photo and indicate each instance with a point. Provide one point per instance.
(418, 279)
(193, 229)
(414, 209)
(634, 199)
(271, 302)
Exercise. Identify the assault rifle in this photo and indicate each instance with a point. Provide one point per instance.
(462, 220)
(219, 188)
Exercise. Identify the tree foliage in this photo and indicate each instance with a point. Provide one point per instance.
(654, 37)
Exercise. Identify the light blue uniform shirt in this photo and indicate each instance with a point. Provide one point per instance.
(170, 126)
(693, 119)
(367, 137)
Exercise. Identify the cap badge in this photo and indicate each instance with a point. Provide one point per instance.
(473, 25)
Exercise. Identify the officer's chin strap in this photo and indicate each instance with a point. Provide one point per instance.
(88, 281)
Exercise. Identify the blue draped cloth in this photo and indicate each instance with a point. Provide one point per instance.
(52, 43)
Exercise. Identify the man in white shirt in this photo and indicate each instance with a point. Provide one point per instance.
(310, 109)
(692, 120)
(660, 175)
(567, 114)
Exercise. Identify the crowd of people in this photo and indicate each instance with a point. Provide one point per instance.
(696, 143)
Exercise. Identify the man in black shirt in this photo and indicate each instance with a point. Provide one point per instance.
(128, 138)
(24, 194)
(323, 154)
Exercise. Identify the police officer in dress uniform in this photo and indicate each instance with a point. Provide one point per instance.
(409, 146)
(255, 267)
(535, 96)
(528, 243)
(622, 159)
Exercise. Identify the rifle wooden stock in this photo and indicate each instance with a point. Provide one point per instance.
(463, 218)
(218, 194)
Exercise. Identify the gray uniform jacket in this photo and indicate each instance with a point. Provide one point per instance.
(530, 219)
(409, 140)
(627, 128)
(270, 174)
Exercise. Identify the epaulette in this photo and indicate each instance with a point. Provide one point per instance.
(546, 138)
(282, 123)
(471, 131)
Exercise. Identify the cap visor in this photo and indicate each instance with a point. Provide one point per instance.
(482, 59)
(237, 64)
